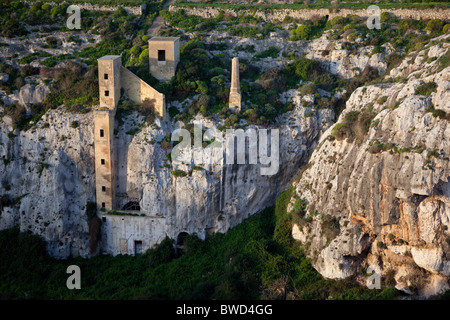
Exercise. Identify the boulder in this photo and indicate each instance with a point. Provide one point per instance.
(31, 94)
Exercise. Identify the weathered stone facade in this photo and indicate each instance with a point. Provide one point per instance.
(112, 79)
(109, 92)
(122, 234)
(164, 55)
(138, 90)
(235, 91)
(280, 14)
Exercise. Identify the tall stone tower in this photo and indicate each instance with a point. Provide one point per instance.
(109, 85)
(164, 54)
(235, 90)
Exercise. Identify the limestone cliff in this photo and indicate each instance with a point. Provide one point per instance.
(376, 188)
(48, 173)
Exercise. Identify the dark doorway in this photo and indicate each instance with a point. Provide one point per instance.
(179, 247)
(137, 247)
(161, 55)
(132, 205)
(181, 237)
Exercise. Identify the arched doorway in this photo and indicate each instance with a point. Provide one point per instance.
(179, 248)
(181, 237)
(132, 206)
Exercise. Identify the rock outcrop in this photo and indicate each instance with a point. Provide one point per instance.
(338, 59)
(48, 173)
(31, 94)
(274, 15)
(377, 187)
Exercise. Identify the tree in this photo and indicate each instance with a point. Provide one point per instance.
(303, 32)
(446, 28)
(135, 51)
(434, 26)
(144, 57)
(120, 12)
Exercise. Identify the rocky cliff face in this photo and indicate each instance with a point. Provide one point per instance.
(48, 173)
(275, 15)
(376, 187)
(333, 54)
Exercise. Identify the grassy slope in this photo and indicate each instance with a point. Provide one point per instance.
(251, 261)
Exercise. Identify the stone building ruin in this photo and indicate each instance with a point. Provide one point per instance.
(129, 230)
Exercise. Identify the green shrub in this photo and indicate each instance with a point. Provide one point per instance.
(173, 111)
(179, 173)
(446, 28)
(270, 52)
(144, 57)
(434, 26)
(40, 168)
(307, 89)
(351, 116)
(438, 113)
(135, 50)
(426, 89)
(382, 99)
(341, 130)
(163, 253)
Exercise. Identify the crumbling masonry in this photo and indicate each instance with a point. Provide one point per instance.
(122, 234)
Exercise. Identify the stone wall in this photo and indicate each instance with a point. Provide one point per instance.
(164, 70)
(104, 151)
(91, 7)
(280, 14)
(129, 10)
(119, 233)
(138, 90)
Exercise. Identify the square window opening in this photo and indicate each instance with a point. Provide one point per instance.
(161, 55)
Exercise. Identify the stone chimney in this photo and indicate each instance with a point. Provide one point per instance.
(235, 90)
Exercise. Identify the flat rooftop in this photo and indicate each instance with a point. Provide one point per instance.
(110, 57)
(169, 39)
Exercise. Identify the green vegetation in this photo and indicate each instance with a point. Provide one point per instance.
(426, 89)
(378, 147)
(438, 113)
(270, 52)
(179, 173)
(356, 124)
(251, 261)
(119, 213)
(40, 168)
(53, 60)
(317, 5)
(72, 85)
(309, 29)
(190, 23)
